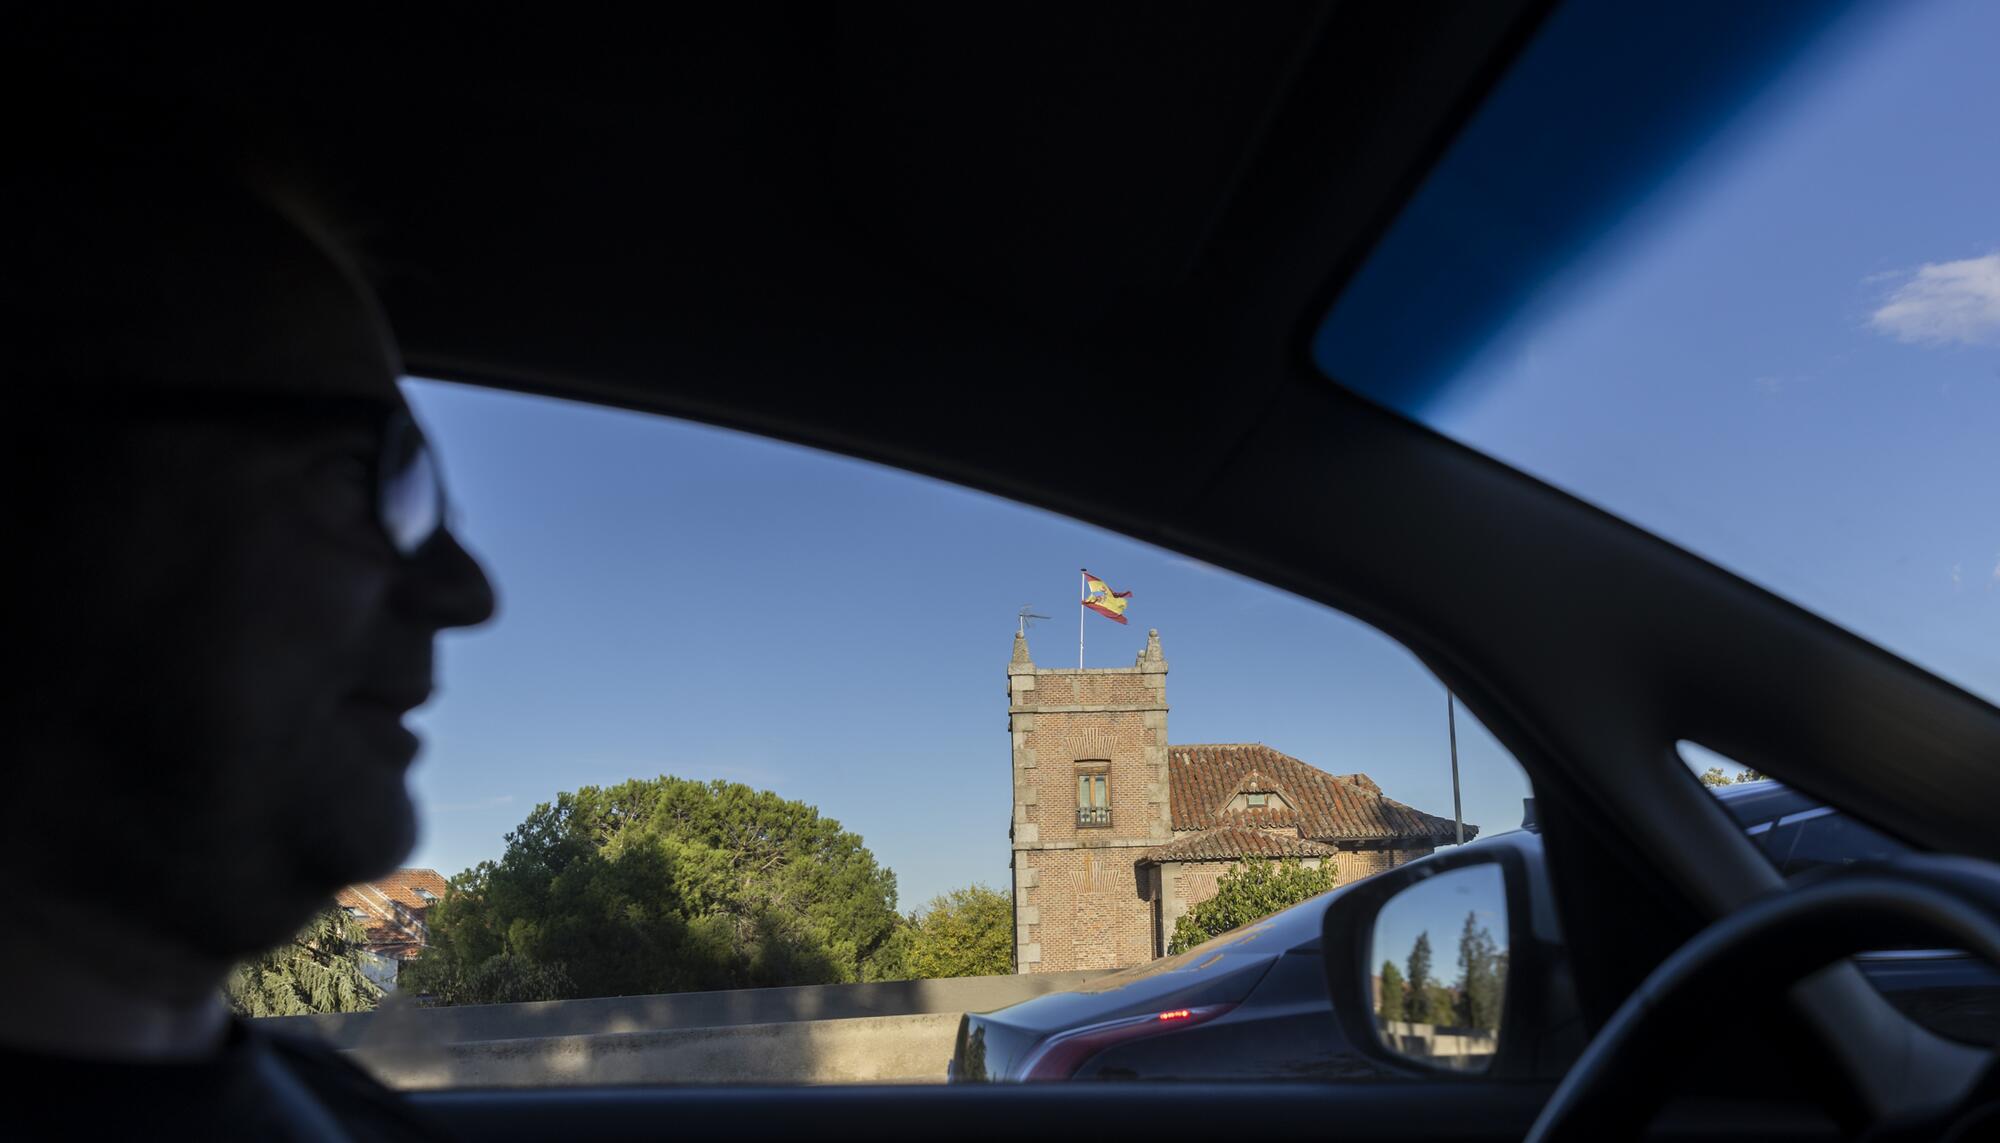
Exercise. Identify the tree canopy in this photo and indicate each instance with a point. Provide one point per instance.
(660, 885)
(1474, 1001)
(966, 932)
(1479, 978)
(1713, 776)
(1250, 892)
(1393, 1002)
(1426, 1001)
(319, 970)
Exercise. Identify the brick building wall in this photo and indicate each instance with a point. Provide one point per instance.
(1368, 862)
(1185, 884)
(1085, 895)
(1081, 885)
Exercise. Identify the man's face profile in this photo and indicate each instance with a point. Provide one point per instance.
(230, 635)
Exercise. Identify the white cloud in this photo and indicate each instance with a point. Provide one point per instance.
(1944, 302)
(1955, 570)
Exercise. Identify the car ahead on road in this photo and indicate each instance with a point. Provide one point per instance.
(1251, 1004)
(1254, 1003)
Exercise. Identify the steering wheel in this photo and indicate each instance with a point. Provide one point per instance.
(1759, 951)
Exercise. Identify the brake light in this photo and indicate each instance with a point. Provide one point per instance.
(1060, 1057)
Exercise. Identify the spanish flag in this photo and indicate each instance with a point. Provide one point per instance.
(1098, 596)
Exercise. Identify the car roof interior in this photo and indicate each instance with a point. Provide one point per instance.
(900, 231)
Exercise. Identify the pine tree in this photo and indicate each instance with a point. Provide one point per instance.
(1422, 991)
(1478, 1004)
(318, 970)
(1394, 999)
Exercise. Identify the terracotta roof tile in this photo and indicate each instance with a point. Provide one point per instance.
(392, 909)
(407, 887)
(1229, 843)
(1204, 778)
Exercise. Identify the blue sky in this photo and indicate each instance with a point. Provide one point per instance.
(1788, 360)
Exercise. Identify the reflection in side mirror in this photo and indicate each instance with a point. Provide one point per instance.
(1439, 962)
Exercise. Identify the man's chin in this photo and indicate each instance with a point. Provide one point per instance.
(378, 740)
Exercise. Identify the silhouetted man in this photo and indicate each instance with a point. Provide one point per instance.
(232, 564)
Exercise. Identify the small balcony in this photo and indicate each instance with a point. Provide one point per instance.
(1093, 817)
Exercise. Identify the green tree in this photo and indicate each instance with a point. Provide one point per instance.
(1250, 892)
(1713, 776)
(1394, 1000)
(655, 886)
(1439, 1003)
(318, 970)
(500, 979)
(1422, 1006)
(966, 932)
(1478, 1000)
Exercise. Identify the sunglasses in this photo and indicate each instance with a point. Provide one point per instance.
(410, 501)
(410, 505)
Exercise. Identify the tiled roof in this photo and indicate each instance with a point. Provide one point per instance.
(350, 899)
(403, 887)
(393, 911)
(1229, 843)
(1204, 779)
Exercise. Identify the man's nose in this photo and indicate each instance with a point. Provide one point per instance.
(446, 587)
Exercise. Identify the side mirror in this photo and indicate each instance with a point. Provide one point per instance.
(1425, 1011)
(1450, 965)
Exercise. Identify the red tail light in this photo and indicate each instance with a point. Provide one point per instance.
(1059, 1056)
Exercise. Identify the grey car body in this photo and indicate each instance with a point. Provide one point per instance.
(1264, 992)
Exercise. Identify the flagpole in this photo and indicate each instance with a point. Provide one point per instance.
(1082, 590)
(1451, 720)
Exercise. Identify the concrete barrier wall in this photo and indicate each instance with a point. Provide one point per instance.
(867, 1049)
(398, 1022)
(892, 1032)
(1462, 1049)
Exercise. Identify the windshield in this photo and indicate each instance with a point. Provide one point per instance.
(1785, 357)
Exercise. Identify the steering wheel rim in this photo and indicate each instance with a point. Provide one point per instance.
(1771, 943)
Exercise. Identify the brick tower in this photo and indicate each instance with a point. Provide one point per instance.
(1090, 800)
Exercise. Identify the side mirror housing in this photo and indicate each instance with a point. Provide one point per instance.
(1452, 965)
